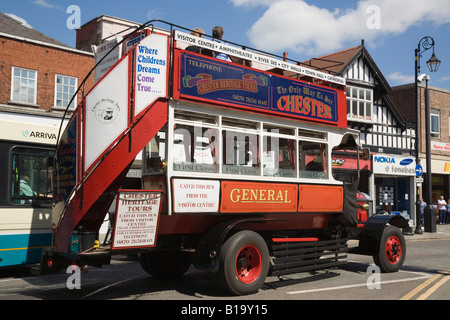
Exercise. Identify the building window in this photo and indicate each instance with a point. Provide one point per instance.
(449, 124)
(434, 119)
(23, 85)
(359, 104)
(65, 88)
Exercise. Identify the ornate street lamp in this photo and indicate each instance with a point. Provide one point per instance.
(433, 65)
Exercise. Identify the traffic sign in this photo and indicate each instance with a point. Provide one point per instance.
(419, 171)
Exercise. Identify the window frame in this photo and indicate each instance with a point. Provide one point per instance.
(17, 173)
(20, 78)
(354, 99)
(290, 135)
(436, 116)
(70, 94)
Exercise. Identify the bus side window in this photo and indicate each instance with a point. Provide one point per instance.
(30, 175)
(313, 160)
(195, 149)
(279, 157)
(155, 153)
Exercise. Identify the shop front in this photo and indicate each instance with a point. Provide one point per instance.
(394, 188)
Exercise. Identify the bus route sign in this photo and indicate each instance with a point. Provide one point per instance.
(220, 82)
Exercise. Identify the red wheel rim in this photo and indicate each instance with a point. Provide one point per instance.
(393, 249)
(248, 264)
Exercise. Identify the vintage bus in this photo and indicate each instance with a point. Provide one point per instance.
(236, 167)
(27, 144)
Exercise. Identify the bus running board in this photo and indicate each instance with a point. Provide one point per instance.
(297, 257)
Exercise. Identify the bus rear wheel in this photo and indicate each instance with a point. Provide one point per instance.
(244, 263)
(392, 251)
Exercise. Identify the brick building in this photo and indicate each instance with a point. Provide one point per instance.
(38, 73)
(404, 98)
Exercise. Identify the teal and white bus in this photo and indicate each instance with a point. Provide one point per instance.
(27, 144)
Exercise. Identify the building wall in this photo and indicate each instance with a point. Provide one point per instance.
(47, 61)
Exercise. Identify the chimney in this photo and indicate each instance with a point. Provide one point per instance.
(285, 56)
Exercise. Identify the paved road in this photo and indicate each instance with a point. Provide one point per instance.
(425, 275)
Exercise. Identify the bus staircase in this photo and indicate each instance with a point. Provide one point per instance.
(92, 196)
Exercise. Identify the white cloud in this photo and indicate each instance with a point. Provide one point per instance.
(19, 19)
(45, 4)
(400, 78)
(299, 26)
(155, 14)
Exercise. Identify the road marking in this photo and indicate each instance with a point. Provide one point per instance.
(420, 288)
(424, 285)
(357, 285)
(434, 288)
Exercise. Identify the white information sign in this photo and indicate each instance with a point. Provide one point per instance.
(151, 71)
(191, 195)
(106, 112)
(255, 57)
(137, 216)
(100, 51)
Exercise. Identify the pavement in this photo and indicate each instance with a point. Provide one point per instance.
(442, 232)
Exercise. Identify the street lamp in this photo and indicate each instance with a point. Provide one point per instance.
(433, 65)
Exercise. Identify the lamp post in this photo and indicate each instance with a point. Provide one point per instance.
(433, 65)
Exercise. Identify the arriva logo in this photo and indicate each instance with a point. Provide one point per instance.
(38, 134)
(382, 159)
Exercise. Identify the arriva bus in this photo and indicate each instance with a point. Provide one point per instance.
(236, 167)
(27, 145)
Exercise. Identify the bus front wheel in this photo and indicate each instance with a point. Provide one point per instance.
(392, 251)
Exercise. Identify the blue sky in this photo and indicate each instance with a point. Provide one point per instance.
(392, 29)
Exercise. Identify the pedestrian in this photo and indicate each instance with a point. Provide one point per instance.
(448, 212)
(442, 207)
(423, 205)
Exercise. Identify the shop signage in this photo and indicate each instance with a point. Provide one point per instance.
(394, 165)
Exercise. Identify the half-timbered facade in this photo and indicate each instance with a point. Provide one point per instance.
(390, 178)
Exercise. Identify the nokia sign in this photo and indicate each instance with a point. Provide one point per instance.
(384, 164)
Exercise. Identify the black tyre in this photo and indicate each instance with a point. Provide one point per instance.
(392, 251)
(244, 263)
(165, 264)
